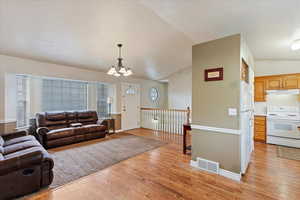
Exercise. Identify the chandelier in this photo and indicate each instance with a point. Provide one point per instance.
(119, 70)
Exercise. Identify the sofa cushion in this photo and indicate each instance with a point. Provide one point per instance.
(84, 114)
(1, 141)
(54, 127)
(49, 123)
(72, 117)
(81, 131)
(20, 146)
(60, 133)
(54, 119)
(56, 116)
(19, 140)
(95, 128)
(87, 117)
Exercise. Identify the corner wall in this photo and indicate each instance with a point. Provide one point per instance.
(211, 101)
(180, 89)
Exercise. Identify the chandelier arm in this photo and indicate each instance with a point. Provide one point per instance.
(120, 69)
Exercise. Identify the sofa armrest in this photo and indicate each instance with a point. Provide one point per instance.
(42, 130)
(21, 160)
(47, 159)
(13, 135)
(103, 122)
(41, 134)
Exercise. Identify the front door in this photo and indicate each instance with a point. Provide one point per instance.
(130, 106)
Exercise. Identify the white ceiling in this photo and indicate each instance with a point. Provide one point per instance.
(157, 34)
(269, 26)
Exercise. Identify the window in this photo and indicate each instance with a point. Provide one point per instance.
(102, 98)
(39, 94)
(131, 91)
(154, 94)
(22, 102)
(60, 95)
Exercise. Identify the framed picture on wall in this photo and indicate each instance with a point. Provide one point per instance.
(215, 74)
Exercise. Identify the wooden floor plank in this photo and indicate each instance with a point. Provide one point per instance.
(164, 173)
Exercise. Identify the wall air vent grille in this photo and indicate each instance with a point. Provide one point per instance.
(208, 165)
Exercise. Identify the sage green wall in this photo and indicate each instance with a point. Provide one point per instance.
(219, 147)
(211, 101)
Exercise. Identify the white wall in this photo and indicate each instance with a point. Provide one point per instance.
(180, 89)
(275, 67)
(13, 65)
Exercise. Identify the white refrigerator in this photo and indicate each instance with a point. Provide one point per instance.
(247, 121)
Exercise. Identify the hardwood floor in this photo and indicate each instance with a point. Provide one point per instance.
(165, 174)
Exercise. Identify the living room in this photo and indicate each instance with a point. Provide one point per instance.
(147, 99)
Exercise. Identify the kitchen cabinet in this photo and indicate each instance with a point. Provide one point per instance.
(260, 128)
(278, 82)
(274, 83)
(291, 82)
(259, 87)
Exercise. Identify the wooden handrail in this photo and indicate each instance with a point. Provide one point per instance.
(166, 120)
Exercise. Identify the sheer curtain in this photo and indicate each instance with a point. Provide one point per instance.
(102, 96)
(23, 113)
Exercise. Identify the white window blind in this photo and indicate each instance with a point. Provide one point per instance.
(22, 101)
(62, 95)
(102, 95)
(51, 94)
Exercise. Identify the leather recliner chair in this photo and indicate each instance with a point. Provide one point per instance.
(61, 128)
(25, 166)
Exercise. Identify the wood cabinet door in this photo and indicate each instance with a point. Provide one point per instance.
(259, 94)
(260, 128)
(274, 83)
(291, 82)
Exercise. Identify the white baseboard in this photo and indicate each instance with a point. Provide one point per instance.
(231, 175)
(222, 172)
(119, 131)
(194, 164)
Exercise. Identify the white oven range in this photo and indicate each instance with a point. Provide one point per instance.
(283, 126)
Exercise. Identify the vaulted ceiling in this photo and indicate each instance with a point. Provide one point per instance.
(157, 34)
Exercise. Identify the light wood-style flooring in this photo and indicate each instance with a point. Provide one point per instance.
(165, 174)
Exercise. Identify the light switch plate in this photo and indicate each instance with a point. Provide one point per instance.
(232, 112)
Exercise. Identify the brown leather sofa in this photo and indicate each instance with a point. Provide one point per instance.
(25, 166)
(61, 128)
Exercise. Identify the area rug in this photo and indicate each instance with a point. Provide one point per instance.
(84, 159)
(288, 153)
